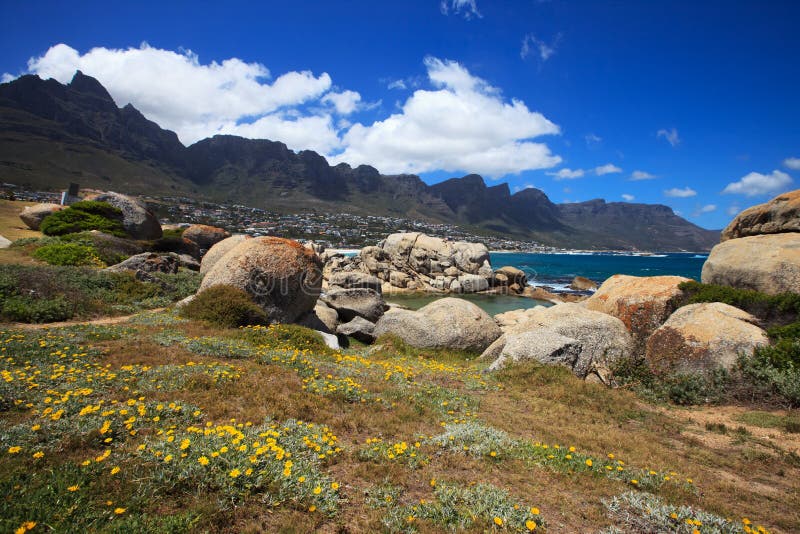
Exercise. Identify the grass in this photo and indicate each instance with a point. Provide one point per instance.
(788, 423)
(11, 226)
(183, 426)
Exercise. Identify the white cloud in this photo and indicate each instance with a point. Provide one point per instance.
(641, 175)
(6, 77)
(708, 208)
(396, 84)
(467, 8)
(733, 209)
(463, 125)
(345, 102)
(675, 192)
(628, 198)
(567, 174)
(670, 135)
(608, 168)
(792, 163)
(531, 43)
(518, 188)
(198, 100)
(755, 184)
(293, 131)
(593, 139)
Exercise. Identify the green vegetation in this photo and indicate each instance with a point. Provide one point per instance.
(38, 294)
(787, 423)
(68, 254)
(636, 512)
(83, 216)
(225, 306)
(772, 310)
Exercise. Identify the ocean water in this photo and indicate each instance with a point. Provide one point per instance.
(558, 270)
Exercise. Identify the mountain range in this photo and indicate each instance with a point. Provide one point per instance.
(52, 134)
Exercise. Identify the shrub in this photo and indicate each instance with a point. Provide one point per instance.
(771, 376)
(25, 309)
(68, 254)
(173, 233)
(225, 306)
(51, 293)
(82, 216)
(780, 309)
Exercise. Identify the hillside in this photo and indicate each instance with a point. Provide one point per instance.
(52, 134)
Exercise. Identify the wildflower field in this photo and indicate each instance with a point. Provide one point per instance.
(160, 424)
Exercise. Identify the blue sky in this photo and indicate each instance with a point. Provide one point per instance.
(698, 100)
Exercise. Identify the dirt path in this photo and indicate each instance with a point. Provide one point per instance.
(100, 321)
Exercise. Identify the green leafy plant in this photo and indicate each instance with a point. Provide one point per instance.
(68, 254)
(225, 306)
(82, 216)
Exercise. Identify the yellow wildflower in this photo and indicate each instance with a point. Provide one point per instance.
(317, 490)
(530, 524)
(14, 450)
(119, 511)
(38, 454)
(235, 473)
(498, 521)
(203, 460)
(72, 488)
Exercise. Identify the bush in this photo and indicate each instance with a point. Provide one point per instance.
(30, 310)
(173, 233)
(677, 388)
(68, 254)
(776, 309)
(52, 293)
(225, 306)
(83, 216)
(771, 375)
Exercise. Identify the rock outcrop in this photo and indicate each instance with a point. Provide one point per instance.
(281, 275)
(581, 283)
(138, 221)
(355, 280)
(217, 251)
(33, 216)
(445, 323)
(149, 262)
(779, 215)
(701, 337)
(358, 328)
(642, 303)
(767, 263)
(543, 345)
(603, 339)
(420, 262)
(205, 236)
(355, 302)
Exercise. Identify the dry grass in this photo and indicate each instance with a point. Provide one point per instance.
(11, 227)
(736, 476)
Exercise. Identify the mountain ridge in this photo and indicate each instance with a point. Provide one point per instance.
(52, 134)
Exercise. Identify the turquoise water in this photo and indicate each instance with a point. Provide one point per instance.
(558, 270)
